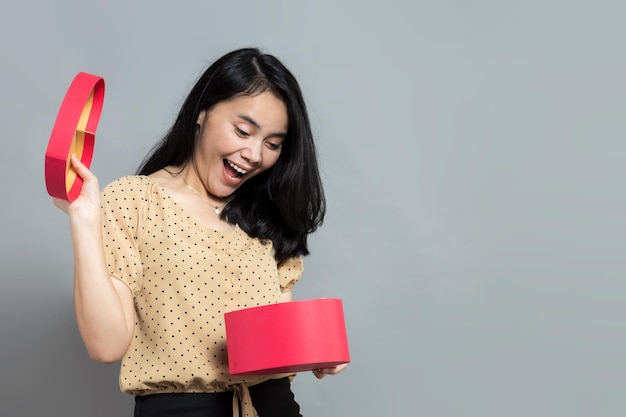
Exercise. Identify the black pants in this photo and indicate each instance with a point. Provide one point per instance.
(272, 398)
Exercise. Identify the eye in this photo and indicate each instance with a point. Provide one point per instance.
(241, 133)
(274, 146)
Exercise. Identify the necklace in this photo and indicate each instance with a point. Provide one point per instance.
(218, 209)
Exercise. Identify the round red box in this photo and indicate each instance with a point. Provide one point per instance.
(286, 337)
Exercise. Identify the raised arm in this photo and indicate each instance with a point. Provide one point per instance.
(104, 305)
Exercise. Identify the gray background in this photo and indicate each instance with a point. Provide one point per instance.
(473, 157)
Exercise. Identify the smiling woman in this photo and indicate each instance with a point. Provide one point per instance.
(237, 140)
(215, 220)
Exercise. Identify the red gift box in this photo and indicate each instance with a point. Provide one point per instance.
(286, 337)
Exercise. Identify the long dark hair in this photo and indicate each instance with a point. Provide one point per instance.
(283, 204)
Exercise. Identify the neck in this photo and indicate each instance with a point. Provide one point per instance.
(193, 181)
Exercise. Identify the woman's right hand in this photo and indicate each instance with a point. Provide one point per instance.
(86, 208)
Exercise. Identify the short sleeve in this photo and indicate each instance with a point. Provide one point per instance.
(121, 219)
(289, 272)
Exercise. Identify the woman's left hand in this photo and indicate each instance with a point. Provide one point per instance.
(322, 372)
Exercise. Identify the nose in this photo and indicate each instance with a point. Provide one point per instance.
(251, 152)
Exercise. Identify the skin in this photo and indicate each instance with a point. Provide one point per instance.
(103, 305)
(246, 132)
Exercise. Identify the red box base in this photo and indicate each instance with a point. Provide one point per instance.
(286, 337)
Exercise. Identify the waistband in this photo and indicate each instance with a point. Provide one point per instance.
(158, 404)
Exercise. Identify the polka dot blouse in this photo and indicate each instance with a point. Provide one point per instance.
(184, 277)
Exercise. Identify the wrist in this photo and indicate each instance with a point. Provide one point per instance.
(82, 225)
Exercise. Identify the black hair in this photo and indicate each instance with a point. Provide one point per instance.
(283, 204)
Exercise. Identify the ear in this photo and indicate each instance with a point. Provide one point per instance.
(201, 117)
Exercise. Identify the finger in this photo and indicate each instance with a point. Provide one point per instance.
(335, 370)
(60, 203)
(90, 186)
(81, 169)
(322, 372)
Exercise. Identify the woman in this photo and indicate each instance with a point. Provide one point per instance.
(215, 220)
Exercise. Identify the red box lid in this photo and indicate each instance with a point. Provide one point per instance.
(73, 132)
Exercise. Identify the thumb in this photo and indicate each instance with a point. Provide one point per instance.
(81, 169)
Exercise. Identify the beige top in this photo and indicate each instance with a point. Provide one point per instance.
(184, 277)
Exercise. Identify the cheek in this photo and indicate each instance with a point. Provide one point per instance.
(270, 159)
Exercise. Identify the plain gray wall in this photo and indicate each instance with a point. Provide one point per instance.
(473, 157)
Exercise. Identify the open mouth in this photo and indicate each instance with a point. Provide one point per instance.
(233, 170)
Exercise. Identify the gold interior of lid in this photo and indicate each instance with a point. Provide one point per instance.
(78, 143)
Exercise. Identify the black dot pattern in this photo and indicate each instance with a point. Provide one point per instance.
(184, 277)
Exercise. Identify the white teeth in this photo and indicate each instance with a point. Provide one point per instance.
(236, 168)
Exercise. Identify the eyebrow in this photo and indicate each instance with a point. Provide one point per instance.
(250, 120)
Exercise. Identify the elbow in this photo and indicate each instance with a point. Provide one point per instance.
(104, 359)
(105, 356)
(106, 350)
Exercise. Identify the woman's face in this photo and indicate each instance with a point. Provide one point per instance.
(238, 139)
